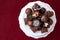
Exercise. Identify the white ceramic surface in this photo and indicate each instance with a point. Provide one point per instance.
(26, 29)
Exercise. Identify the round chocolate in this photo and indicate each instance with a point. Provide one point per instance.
(35, 6)
(28, 11)
(44, 18)
(42, 10)
(48, 13)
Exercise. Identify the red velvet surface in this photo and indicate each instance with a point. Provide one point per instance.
(9, 24)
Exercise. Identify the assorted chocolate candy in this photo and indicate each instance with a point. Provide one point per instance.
(38, 18)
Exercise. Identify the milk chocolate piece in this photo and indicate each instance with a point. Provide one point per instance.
(34, 29)
(30, 23)
(44, 29)
(48, 13)
(28, 11)
(35, 6)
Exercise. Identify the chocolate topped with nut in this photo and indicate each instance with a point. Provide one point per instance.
(38, 18)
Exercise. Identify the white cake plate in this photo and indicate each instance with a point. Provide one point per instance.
(26, 29)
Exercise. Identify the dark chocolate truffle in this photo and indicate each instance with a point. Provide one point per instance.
(42, 10)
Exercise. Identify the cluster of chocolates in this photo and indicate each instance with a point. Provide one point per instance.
(38, 18)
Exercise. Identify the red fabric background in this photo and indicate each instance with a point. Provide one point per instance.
(9, 24)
